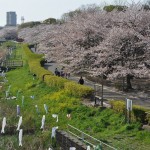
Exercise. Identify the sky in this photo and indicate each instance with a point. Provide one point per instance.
(39, 10)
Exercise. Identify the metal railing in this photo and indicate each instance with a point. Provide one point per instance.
(87, 139)
(13, 63)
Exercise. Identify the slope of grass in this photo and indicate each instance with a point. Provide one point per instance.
(104, 124)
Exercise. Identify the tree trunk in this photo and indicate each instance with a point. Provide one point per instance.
(129, 86)
(123, 84)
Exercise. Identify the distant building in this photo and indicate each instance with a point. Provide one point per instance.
(22, 19)
(11, 19)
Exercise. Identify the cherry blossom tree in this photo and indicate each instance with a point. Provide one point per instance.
(115, 43)
(9, 33)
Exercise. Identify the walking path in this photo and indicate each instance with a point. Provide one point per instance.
(139, 98)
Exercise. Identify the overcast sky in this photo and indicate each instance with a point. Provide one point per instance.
(39, 10)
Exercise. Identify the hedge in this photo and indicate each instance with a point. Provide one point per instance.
(138, 113)
(77, 89)
(34, 62)
(55, 81)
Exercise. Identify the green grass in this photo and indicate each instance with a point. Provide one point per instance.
(104, 124)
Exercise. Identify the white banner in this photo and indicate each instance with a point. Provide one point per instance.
(3, 125)
(19, 123)
(72, 148)
(20, 137)
(43, 122)
(55, 116)
(54, 132)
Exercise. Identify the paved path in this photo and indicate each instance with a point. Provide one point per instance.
(139, 98)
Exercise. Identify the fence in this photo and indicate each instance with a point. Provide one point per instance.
(88, 140)
(13, 63)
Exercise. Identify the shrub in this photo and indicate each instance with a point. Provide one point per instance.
(34, 62)
(148, 118)
(55, 81)
(138, 113)
(77, 89)
(118, 106)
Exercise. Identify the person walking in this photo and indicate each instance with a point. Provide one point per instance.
(56, 71)
(81, 81)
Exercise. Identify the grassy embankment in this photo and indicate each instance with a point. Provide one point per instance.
(104, 124)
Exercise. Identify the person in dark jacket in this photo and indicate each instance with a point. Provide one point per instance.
(81, 81)
(56, 71)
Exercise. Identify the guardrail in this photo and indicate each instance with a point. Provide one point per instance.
(13, 63)
(89, 140)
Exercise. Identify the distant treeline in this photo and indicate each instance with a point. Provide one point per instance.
(70, 14)
(36, 23)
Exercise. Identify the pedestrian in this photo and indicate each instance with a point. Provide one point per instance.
(56, 71)
(68, 74)
(81, 81)
(62, 72)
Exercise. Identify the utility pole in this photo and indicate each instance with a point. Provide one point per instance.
(102, 90)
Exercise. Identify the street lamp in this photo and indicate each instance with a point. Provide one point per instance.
(102, 90)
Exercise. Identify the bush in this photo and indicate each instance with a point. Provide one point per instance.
(138, 113)
(118, 106)
(34, 63)
(77, 89)
(133, 126)
(148, 118)
(55, 81)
